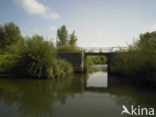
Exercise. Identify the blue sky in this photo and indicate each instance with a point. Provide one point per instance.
(98, 23)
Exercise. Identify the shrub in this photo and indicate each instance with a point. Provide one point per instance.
(63, 68)
(139, 62)
(7, 63)
(38, 59)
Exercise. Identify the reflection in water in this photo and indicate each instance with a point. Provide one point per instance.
(99, 78)
(69, 97)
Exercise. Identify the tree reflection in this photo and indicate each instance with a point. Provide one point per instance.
(35, 98)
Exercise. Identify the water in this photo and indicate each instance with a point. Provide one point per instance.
(83, 95)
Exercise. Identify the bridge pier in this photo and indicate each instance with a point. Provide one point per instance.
(77, 60)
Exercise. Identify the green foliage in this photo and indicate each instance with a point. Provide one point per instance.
(139, 62)
(2, 58)
(67, 48)
(148, 36)
(64, 39)
(38, 59)
(73, 39)
(62, 36)
(33, 56)
(7, 63)
(9, 34)
(62, 68)
(91, 60)
(15, 48)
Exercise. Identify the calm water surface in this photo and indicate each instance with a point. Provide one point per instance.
(81, 95)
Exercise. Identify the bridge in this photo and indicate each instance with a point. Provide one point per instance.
(103, 49)
(79, 59)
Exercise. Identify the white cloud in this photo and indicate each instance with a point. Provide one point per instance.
(54, 16)
(36, 8)
(53, 28)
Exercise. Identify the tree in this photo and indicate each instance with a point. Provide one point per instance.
(9, 34)
(2, 37)
(64, 39)
(73, 39)
(62, 36)
(147, 41)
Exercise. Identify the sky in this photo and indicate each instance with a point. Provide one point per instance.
(98, 23)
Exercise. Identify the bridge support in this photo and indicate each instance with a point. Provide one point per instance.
(77, 60)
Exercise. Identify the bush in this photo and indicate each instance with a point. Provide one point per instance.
(139, 62)
(7, 63)
(63, 68)
(38, 59)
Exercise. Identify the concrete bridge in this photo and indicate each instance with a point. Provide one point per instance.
(79, 59)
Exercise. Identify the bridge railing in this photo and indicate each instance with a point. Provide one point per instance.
(104, 49)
